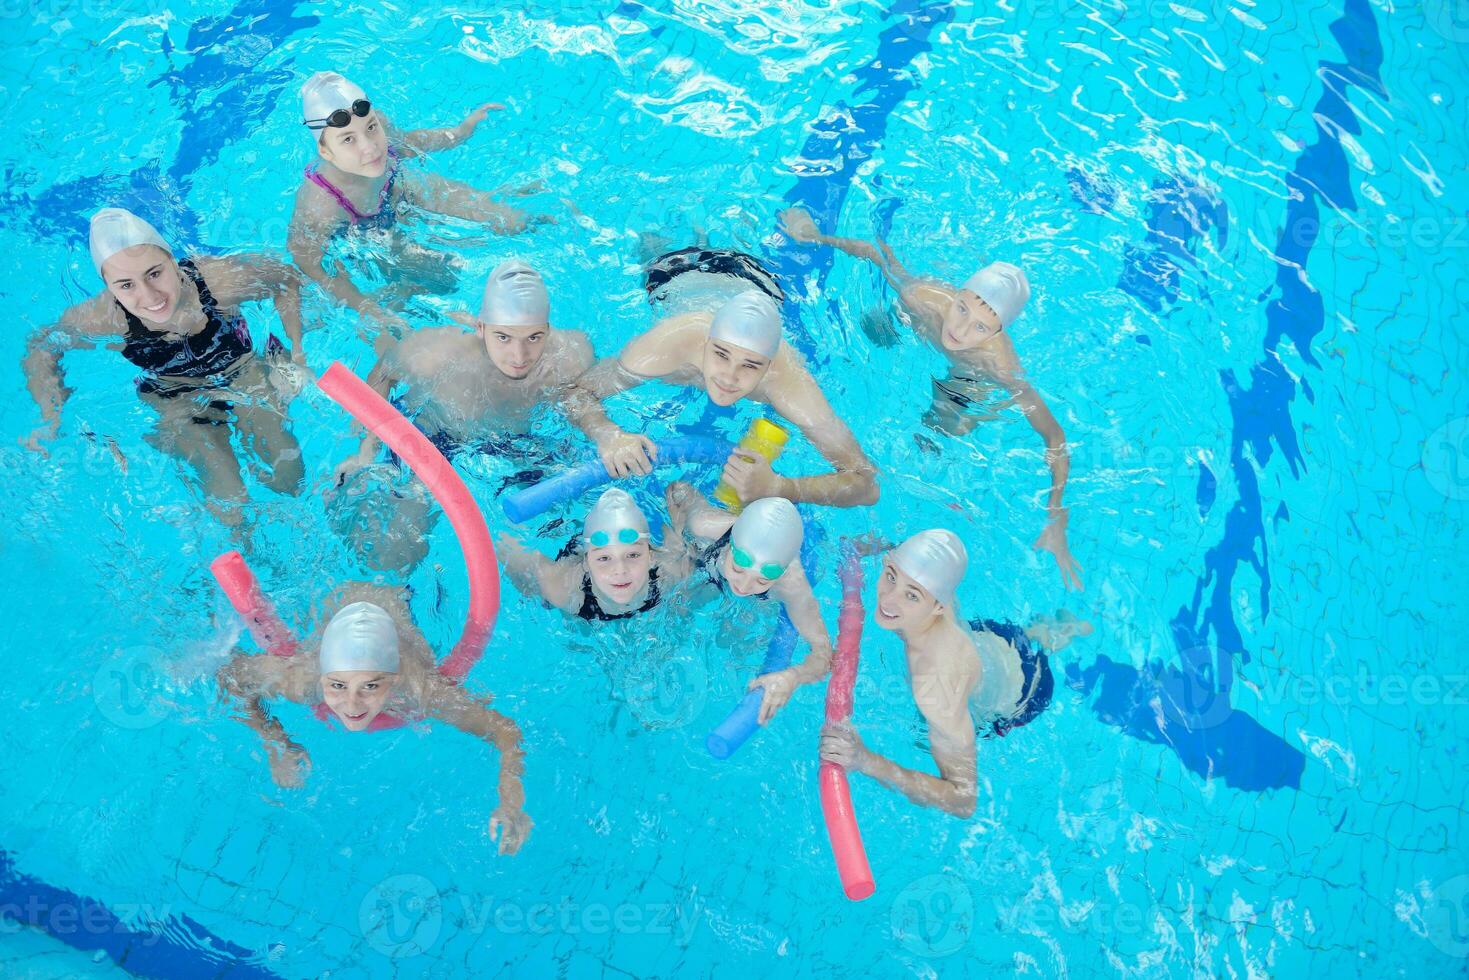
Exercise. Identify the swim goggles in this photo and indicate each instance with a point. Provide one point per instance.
(341, 117)
(743, 559)
(601, 539)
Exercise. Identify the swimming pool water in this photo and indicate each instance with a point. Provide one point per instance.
(1245, 226)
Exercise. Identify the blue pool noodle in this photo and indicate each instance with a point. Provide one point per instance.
(535, 500)
(731, 733)
(735, 730)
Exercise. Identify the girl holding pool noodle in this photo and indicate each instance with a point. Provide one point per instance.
(370, 665)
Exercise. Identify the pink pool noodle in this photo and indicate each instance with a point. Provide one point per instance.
(260, 617)
(430, 466)
(836, 797)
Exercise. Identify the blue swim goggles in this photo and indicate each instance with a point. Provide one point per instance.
(743, 559)
(601, 539)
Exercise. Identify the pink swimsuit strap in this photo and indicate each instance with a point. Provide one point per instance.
(314, 175)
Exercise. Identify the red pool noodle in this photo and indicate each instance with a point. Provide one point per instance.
(239, 583)
(836, 797)
(430, 466)
(389, 425)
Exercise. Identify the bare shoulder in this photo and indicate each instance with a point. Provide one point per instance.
(99, 316)
(929, 297)
(427, 352)
(572, 354)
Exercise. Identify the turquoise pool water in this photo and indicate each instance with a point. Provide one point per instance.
(1245, 225)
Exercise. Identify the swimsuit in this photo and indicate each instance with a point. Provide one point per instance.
(382, 217)
(592, 610)
(667, 267)
(209, 359)
(1037, 683)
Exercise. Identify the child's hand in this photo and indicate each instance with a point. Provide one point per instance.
(476, 117)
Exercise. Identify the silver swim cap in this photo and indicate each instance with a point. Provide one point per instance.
(751, 320)
(770, 530)
(115, 229)
(515, 296)
(361, 636)
(324, 93)
(614, 513)
(1004, 287)
(935, 560)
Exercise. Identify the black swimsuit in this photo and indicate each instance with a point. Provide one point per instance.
(206, 357)
(591, 610)
(722, 261)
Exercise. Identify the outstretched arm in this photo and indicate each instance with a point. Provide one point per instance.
(805, 615)
(799, 225)
(257, 276)
(458, 200)
(311, 224)
(535, 574)
(418, 141)
(953, 790)
(243, 679)
(854, 482)
(79, 327)
(383, 378)
(450, 704)
(1058, 458)
(652, 355)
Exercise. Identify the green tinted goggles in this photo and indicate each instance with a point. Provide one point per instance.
(743, 559)
(601, 539)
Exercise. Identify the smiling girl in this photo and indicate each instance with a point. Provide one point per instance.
(180, 323)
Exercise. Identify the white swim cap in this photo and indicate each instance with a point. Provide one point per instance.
(326, 92)
(770, 529)
(1004, 287)
(114, 229)
(361, 636)
(935, 560)
(614, 512)
(751, 320)
(515, 296)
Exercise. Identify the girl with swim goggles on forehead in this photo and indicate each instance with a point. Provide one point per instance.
(356, 181)
(615, 574)
(757, 555)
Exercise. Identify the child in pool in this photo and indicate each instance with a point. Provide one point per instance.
(758, 554)
(732, 354)
(357, 181)
(967, 679)
(180, 323)
(371, 657)
(618, 576)
(967, 324)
